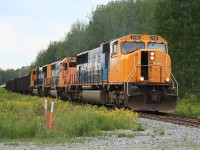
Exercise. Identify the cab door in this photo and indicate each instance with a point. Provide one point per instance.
(64, 73)
(114, 70)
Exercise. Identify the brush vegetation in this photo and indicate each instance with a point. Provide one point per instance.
(21, 118)
(189, 105)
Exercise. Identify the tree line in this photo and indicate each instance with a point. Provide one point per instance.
(8, 74)
(175, 20)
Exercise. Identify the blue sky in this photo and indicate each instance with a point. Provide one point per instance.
(28, 26)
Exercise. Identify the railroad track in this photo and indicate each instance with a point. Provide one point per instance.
(173, 118)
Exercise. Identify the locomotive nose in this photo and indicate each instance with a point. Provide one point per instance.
(154, 67)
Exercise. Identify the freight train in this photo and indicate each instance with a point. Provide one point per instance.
(133, 71)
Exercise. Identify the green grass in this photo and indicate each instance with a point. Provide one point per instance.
(17, 117)
(159, 131)
(128, 135)
(89, 121)
(21, 118)
(189, 105)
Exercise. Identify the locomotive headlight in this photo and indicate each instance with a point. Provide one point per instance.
(141, 78)
(167, 79)
(152, 57)
(152, 53)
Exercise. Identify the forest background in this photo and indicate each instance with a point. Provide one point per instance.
(178, 21)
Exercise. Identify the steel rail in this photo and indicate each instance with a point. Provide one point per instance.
(172, 118)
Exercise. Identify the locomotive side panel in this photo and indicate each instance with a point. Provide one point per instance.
(32, 78)
(92, 67)
(47, 75)
(55, 69)
(82, 69)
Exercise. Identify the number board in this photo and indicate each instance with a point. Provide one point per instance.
(72, 60)
(136, 37)
(154, 38)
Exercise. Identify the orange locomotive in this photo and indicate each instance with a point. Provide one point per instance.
(142, 65)
(133, 71)
(51, 79)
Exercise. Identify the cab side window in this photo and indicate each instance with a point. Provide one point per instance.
(115, 49)
(65, 66)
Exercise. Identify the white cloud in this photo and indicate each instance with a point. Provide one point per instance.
(5, 35)
(59, 29)
(19, 46)
(26, 27)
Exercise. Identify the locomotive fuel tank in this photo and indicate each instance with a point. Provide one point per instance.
(94, 96)
(54, 93)
(35, 92)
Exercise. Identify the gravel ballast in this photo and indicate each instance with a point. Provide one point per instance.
(157, 135)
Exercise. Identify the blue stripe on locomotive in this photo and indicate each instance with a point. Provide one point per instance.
(107, 66)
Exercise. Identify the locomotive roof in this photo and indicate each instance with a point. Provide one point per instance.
(82, 53)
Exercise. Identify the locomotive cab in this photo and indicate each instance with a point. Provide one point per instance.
(40, 80)
(62, 76)
(67, 72)
(32, 78)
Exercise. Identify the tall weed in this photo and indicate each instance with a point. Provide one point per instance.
(189, 105)
(21, 117)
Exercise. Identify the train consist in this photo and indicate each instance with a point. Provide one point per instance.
(132, 71)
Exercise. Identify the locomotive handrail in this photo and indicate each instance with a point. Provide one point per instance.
(128, 79)
(130, 75)
(172, 83)
(173, 78)
(152, 65)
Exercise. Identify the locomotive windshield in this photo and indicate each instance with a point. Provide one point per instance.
(128, 47)
(72, 64)
(161, 46)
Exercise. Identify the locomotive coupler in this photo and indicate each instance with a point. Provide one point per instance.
(154, 97)
(135, 90)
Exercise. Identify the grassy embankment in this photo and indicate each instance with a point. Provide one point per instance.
(21, 118)
(189, 106)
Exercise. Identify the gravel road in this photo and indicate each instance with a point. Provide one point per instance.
(157, 135)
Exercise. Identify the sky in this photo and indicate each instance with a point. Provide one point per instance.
(28, 26)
